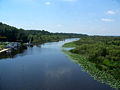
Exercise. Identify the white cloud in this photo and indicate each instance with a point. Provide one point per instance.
(107, 20)
(47, 3)
(59, 25)
(110, 12)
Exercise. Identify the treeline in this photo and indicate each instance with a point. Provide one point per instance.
(45, 36)
(10, 33)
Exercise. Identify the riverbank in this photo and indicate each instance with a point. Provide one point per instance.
(11, 46)
(70, 44)
(44, 67)
(103, 71)
(99, 75)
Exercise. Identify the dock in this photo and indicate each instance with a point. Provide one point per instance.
(3, 50)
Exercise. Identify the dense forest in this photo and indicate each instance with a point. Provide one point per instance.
(10, 33)
(102, 54)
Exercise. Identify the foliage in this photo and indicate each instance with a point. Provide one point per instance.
(103, 52)
(2, 46)
(71, 44)
(9, 33)
(100, 50)
(104, 76)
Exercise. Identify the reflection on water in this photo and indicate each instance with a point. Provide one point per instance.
(45, 68)
(12, 53)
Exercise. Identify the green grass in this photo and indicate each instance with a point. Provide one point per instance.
(99, 56)
(70, 44)
(2, 46)
(99, 75)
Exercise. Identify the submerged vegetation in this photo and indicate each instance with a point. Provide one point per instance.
(100, 56)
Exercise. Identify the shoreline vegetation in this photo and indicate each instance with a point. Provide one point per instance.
(11, 37)
(99, 56)
(13, 34)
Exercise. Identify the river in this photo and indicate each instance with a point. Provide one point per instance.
(45, 67)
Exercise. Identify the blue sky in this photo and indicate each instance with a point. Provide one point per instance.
(93, 17)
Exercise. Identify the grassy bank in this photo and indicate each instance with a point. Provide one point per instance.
(70, 44)
(2, 46)
(99, 56)
(99, 75)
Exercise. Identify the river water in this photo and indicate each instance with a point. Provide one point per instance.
(45, 68)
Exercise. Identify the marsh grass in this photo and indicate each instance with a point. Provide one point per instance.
(99, 75)
(70, 44)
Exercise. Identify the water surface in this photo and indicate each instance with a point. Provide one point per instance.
(45, 68)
